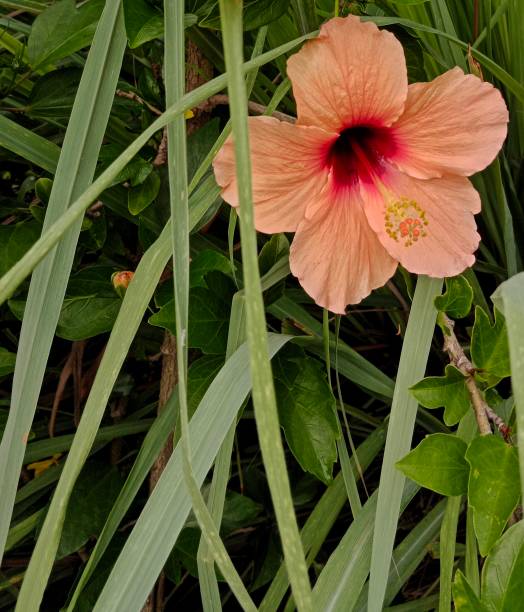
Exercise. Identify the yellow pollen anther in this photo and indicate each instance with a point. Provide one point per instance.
(405, 221)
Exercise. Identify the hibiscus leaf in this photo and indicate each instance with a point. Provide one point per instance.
(464, 596)
(307, 412)
(493, 487)
(61, 30)
(448, 391)
(7, 361)
(489, 347)
(503, 572)
(438, 463)
(457, 299)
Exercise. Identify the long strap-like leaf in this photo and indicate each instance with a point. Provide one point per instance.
(74, 173)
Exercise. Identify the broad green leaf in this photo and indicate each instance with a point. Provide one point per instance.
(493, 488)
(141, 196)
(85, 317)
(489, 347)
(307, 408)
(200, 375)
(93, 496)
(457, 299)
(239, 511)
(448, 391)
(208, 317)
(503, 572)
(144, 23)
(61, 30)
(256, 13)
(7, 361)
(15, 240)
(205, 262)
(464, 596)
(275, 248)
(53, 95)
(438, 463)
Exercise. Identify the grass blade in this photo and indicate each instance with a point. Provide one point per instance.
(165, 513)
(412, 366)
(78, 160)
(264, 399)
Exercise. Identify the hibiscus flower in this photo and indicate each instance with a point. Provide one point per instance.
(373, 173)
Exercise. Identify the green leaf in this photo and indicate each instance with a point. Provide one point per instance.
(144, 23)
(199, 377)
(239, 511)
(141, 196)
(205, 262)
(493, 488)
(15, 240)
(448, 391)
(256, 13)
(438, 463)
(53, 95)
(275, 248)
(503, 572)
(489, 347)
(7, 362)
(464, 596)
(93, 496)
(61, 30)
(307, 408)
(457, 299)
(85, 317)
(208, 317)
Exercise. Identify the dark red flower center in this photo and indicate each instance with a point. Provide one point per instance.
(358, 154)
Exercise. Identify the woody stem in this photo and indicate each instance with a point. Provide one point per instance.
(457, 356)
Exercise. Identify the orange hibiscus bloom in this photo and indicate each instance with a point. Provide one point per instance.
(373, 172)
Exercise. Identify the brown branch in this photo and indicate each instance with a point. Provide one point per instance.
(131, 95)
(458, 358)
(254, 107)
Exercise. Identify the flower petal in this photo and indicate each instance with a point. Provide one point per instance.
(427, 225)
(336, 256)
(288, 170)
(352, 74)
(454, 124)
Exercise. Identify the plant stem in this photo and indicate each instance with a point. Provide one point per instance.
(457, 356)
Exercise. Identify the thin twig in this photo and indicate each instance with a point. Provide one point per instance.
(254, 107)
(458, 358)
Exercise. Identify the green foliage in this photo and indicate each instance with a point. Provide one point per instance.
(457, 299)
(7, 361)
(493, 488)
(61, 30)
(503, 572)
(93, 497)
(464, 596)
(209, 315)
(307, 412)
(57, 105)
(489, 347)
(438, 463)
(256, 13)
(145, 192)
(15, 240)
(143, 22)
(448, 391)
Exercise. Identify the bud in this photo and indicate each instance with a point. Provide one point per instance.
(121, 281)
